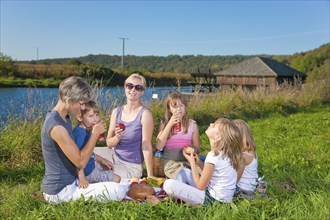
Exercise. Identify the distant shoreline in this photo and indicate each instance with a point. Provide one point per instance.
(53, 83)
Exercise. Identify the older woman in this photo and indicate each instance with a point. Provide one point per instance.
(61, 154)
(131, 145)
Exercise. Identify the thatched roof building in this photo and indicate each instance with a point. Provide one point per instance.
(257, 71)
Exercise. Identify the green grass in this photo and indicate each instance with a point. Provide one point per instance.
(294, 146)
(291, 127)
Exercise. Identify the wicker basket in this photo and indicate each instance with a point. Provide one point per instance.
(159, 167)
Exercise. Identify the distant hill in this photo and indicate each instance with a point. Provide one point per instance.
(172, 63)
(167, 70)
(306, 62)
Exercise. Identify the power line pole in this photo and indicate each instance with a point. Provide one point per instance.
(122, 57)
(37, 49)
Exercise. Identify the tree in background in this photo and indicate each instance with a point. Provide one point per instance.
(8, 67)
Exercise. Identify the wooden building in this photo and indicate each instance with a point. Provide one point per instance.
(257, 71)
(203, 80)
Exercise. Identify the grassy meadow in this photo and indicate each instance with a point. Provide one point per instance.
(291, 127)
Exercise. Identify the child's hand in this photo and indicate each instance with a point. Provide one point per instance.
(106, 164)
(175, 118)
(190, 156)
(99, 128)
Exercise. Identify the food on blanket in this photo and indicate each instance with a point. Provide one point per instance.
(162, 193)
(121, 126)
(160, 181)
(140, 191)
(144, 181)
(134, 181)
(152, 181)
(188, 150)
(133, 184)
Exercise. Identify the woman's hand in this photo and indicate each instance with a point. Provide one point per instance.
(118, 132)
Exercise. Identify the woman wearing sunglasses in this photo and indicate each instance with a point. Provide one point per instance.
(131, 143)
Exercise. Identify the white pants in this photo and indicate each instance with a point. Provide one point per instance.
(186, 193)
(125, 170)
(102, 192)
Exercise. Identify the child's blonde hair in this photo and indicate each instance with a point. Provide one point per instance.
(171, 101)
(228, 142)
(247, 138)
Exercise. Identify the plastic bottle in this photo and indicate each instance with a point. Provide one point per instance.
(262, 185)
(158, 163)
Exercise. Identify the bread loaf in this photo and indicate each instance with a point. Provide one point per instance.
(140, 191)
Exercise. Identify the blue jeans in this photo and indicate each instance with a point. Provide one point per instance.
(202, 158)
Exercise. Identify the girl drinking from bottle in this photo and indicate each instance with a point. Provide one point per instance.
(176, 131)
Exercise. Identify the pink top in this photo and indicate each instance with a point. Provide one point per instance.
(180, 140)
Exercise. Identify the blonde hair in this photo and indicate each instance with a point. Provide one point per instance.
(228, 142)
(247, 138)
(91, 105)
(74, 89)
(171, 101)
(138, 76)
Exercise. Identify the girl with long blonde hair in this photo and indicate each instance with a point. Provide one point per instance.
(222, 168)
(249, 179)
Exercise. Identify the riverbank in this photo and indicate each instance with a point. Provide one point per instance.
(53, 83)
(40, 83)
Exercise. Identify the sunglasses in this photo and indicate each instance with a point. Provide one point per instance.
(130, 86)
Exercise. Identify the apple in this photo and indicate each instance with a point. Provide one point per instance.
(101, 137)
(162, 192)
(121, 126)
(134, 183)
(144, 182)
(188, 150)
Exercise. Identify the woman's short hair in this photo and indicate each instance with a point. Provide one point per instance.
(74, 89)
(136, 75)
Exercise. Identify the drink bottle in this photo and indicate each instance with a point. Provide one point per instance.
(177, 127)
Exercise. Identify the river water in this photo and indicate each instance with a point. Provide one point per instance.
(26, 103)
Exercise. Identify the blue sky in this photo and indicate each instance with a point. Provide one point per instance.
(62, 29)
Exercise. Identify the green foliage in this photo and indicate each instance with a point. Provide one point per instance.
(7, 66)
(12, 82)
(159, 71)
(20, 143)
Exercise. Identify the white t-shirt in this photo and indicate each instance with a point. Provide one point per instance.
(223, 181)
(249, 178)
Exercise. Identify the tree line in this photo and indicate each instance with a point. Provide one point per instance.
(167, 70)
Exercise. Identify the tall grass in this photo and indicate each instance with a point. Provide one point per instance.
(292, 137)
